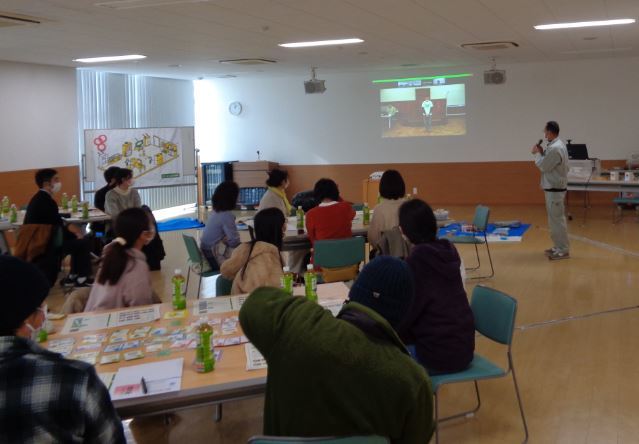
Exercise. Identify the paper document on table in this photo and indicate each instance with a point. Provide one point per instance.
(254, 359)
(159, 377)
(82, 323)
(135, 316)
(333, 306)
(107, 378)
(331, 291)
(212, 305)
(238, 301)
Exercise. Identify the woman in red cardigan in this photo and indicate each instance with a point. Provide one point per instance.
(332, 218)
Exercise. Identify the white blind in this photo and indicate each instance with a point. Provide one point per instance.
(109, 100)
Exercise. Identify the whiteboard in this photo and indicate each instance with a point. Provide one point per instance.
(157, 156)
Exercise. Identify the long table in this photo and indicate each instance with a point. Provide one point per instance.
(298, 239)
(602, 184)
(95, 215)
(229, 381)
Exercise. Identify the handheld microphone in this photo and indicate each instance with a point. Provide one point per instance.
(539, 143)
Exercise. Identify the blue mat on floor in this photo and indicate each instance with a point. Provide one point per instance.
(456, 229)
(183, 223)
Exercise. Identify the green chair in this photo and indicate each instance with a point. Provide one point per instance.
(621, 203)
(339, 258)
(196, 263)
(494, 314)
(223, 286)
(325, 440)
(480, 222)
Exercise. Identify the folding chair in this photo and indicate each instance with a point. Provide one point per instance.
(494, 314)
(480, 222)
(339, 258)
(196, 263)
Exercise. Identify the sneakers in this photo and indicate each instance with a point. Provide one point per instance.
(556, 255)
(82, 282)
(549, 251)
(67, 281)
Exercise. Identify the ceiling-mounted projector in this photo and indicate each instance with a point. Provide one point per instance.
(494, 76)
(314, 85)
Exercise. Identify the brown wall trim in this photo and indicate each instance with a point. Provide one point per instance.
(20, 185)
(504, 183)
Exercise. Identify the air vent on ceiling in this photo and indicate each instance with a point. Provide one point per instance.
(11, 19)
(248, 61)
(490, 46)
(132, 4)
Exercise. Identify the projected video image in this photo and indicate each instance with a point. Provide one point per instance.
(417, 108)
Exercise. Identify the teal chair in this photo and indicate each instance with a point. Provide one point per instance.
(480, 222)
(196, 263)
(494, 314)
(621, 203)
(325, 440)
(358, 206)
(223, 286)
(339, 258)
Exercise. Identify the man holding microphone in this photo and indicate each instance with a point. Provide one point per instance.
(553, 164)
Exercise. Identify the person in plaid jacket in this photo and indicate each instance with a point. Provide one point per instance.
(44, 397)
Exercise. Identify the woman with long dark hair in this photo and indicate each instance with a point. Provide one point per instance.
(123, 279)
(258, 263)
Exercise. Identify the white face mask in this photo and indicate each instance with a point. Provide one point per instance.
(57, 187)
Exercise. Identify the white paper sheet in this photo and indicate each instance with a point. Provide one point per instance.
(254, 359)
(159, 377)
(212, 305)
(135, 316)
(107, 378)
(82, 323)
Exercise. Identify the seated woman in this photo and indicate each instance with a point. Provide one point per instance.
(220, 235)
(123, 279)
(332, 218)
(440, 322)
(258, 263)
(386, 215)
(275, 196)
(122, 196)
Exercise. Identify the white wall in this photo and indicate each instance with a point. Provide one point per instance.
(594, 101)
(38, 122)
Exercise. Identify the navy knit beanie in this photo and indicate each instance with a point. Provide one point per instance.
(23, 288)
(385, 285)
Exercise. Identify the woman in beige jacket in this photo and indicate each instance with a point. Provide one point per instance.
(258, 263)
(386, 215)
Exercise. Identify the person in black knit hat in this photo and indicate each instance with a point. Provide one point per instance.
(45, 398)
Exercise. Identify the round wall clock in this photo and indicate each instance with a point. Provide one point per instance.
(235, 108)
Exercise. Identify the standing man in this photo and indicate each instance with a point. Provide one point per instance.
(553, 164)
(427, 106)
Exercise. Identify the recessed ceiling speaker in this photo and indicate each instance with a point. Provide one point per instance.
(314, 85)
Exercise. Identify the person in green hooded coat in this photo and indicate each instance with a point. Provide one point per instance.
(346, 375)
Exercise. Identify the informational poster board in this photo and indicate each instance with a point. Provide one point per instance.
(157, 156)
